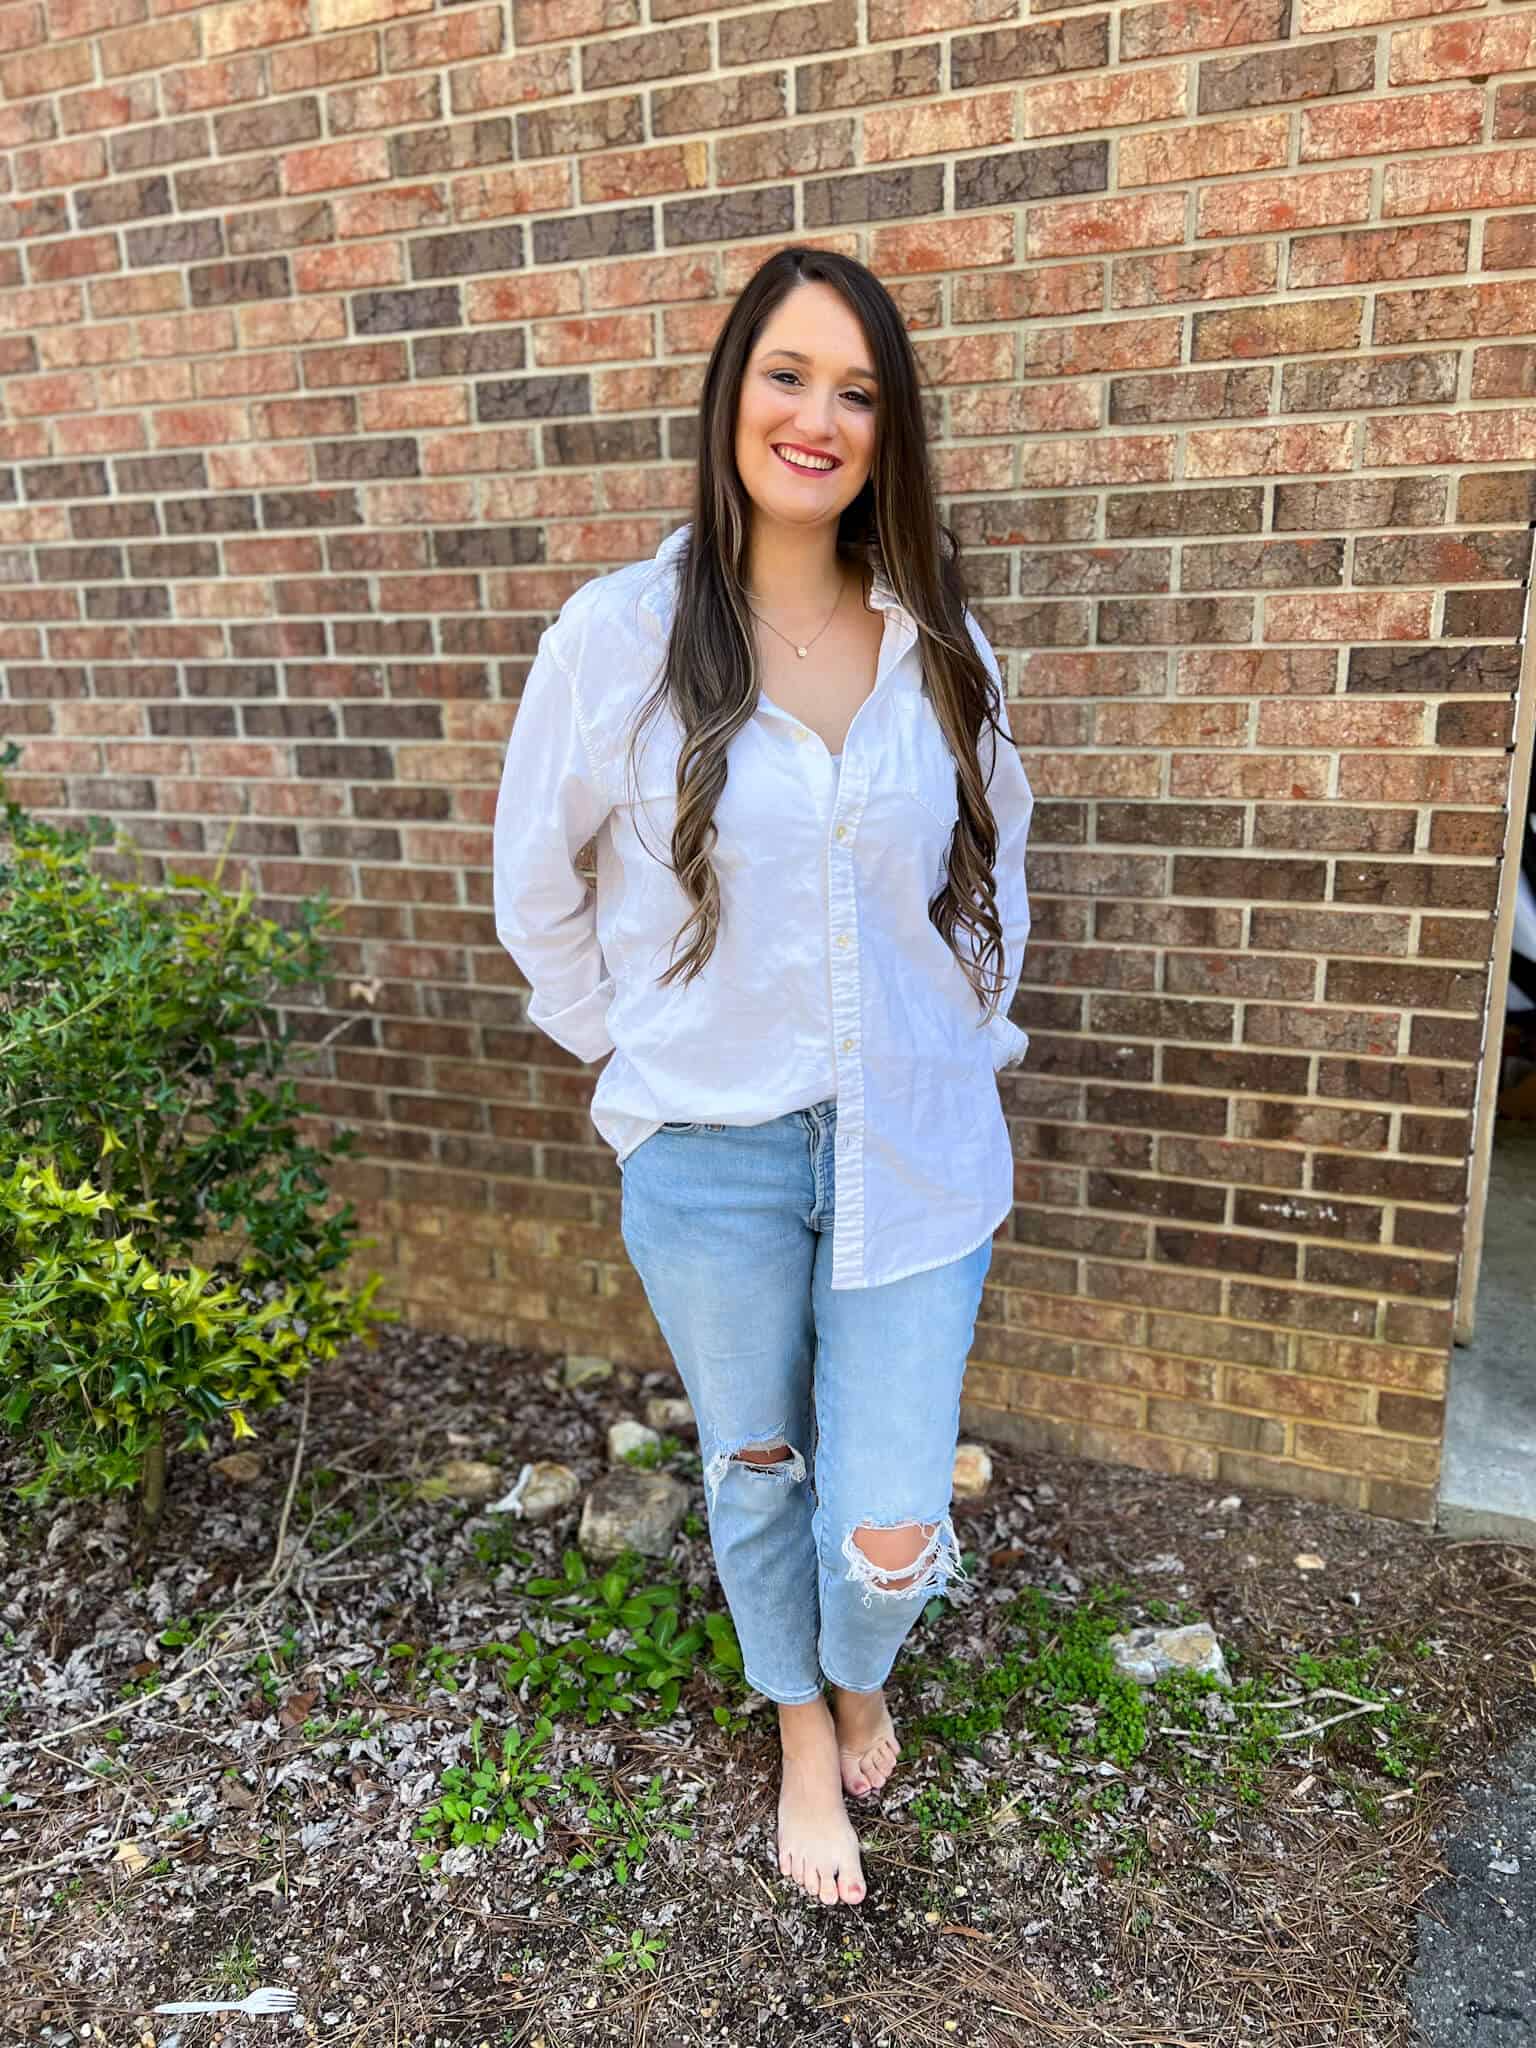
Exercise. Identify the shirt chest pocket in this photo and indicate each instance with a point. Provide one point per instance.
(921, 805)
(929, 777)
(912, 757)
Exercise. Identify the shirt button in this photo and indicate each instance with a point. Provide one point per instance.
(842, 832)
(801, 733)
(842, 938)
(847, 1045)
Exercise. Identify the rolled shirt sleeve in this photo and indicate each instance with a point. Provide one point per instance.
(1013, 803)
(548, 806)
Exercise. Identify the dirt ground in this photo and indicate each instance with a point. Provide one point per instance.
(229, 1771)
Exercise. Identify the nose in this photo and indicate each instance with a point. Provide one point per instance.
(815, 419)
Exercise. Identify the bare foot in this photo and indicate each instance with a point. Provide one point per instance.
(867, 1748)
(817, 1845)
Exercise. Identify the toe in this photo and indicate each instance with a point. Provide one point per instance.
(850, 1887)
(827, 1892)
(881, 1760)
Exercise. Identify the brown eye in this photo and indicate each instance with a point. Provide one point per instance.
(852, 392)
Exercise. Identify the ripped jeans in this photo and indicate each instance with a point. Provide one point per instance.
(730, 1230)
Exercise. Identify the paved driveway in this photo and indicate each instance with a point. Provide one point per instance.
(1474, 1984)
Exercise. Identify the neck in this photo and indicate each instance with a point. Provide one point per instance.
(797, 574)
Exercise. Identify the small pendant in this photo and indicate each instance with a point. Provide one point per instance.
(801, 652)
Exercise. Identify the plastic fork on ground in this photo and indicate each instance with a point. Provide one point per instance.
(269, 1998)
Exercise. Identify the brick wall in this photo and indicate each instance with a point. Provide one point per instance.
(343, 339)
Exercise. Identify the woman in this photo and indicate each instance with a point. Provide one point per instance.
(812, 1149)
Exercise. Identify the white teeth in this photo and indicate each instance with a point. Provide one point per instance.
(800, 461)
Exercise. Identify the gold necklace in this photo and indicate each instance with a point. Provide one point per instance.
(805, 650)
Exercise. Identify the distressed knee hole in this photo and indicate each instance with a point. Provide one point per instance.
(889, 1550)
(772, 1460)
(904, 1560)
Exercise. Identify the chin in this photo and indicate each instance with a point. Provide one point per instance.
(787, 496)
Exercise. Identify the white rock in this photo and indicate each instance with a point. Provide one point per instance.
(584, 1369)
(461, 1479)
(632, 1510)
(1148, 1654)
(627, 1435)
(550, 1486)
(1229, 1503)
(1309, 1561)
(539, 1489)
(672, 1414)
(973, 1470)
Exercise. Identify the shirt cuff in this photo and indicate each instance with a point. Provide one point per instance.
(580, 1027)
(1009, 1043)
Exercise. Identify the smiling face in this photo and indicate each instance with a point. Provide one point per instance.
(805, 424)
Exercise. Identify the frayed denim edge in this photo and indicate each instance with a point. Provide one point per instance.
(937, 1561)
(790, 1470)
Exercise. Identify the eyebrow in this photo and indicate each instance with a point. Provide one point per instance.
(856, 370)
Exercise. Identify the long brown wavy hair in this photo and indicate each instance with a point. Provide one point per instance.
(709, 673)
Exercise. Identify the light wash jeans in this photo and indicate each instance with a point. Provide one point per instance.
(730, 1230)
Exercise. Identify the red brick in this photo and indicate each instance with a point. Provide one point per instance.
(1459, 49)
(254, 26)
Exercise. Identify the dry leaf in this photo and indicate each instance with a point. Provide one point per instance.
(241, 1467)
(130, 1858)
(1309, 1561)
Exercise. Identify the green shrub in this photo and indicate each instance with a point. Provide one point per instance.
(142, 1066)
(102, 1351)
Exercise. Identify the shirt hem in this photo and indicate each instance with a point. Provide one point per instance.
(928, 1265)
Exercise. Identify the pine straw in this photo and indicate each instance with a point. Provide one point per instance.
(1290, 1925)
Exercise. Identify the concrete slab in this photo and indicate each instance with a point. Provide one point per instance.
(1488, 1477)
(1473, 1983)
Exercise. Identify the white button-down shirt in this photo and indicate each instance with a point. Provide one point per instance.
(827, 979)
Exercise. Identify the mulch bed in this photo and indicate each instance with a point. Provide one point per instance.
(214, 1831)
